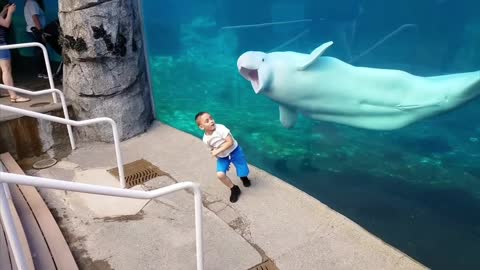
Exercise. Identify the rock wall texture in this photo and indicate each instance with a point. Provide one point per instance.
(105, 69)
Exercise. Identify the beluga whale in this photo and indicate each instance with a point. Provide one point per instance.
(328, 89)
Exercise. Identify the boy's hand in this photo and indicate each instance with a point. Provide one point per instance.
(214, 152)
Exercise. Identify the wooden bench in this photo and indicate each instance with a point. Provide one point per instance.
(47, 245)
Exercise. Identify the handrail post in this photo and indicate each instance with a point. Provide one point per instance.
(49, 70)
(197, 195)
(42, 92)
(11, 231)
(67, 117)
(116, 142)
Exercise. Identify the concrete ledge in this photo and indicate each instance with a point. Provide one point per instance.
(272, 219)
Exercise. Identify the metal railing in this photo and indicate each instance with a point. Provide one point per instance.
(45, 58)
(7, 191)
(43, 92)
(52, 89)
(116, 139)
(6, 215)
(67, 120)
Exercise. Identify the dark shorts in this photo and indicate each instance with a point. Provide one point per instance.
(239, 161)
(5, 54)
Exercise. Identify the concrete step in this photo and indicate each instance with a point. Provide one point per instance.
(25, 137)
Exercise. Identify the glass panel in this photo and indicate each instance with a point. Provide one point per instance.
(416, 187)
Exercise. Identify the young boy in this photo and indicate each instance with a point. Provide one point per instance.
(226, 149)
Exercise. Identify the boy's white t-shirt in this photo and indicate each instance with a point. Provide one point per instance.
(32, 8)
(217, 138)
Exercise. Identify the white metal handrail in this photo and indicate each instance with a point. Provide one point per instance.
(45, 58)
(99, 190)
(116, 139)
(43, 92)
(7, 191)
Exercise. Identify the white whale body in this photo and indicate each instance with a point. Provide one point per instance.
(328, 89)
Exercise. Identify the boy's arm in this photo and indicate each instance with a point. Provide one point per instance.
(227, 144)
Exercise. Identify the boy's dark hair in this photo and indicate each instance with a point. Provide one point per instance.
(198, 115)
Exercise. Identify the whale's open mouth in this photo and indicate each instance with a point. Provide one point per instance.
(252, 76)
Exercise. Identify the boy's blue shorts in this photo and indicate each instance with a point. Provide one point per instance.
(239, 161)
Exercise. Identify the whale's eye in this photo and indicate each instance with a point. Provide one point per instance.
(263, 59)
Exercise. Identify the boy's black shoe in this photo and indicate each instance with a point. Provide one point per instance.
(246, 182)
(235, 193)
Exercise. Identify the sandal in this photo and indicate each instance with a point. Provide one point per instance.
(19, 99)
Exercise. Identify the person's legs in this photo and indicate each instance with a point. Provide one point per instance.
(222, 168)
(3, 56)
(240, 163)
(7, 78)
(38, 61)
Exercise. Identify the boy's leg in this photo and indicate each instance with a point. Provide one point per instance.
(240, 162)
(246, 182)
(222, 168)
(225, 180)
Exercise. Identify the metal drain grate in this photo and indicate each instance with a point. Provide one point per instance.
(266, 265)
(138, 172)
(44, 163)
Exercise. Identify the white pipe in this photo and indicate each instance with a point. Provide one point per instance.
(378, 43)
(43, 92)
(263, 24)
(117, 192)
(11, 231)
(45, 58)
(290, 40)
(116, 139)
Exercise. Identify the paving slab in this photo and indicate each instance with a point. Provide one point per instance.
(105, 206)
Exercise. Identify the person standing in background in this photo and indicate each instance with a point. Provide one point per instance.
(35, 19)
(5, 57)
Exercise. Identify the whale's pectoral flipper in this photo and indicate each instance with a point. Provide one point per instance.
(315, 54)
(288, 116)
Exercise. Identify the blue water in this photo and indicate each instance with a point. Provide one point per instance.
(417, 188)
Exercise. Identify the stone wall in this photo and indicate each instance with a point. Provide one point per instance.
(105, 70)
